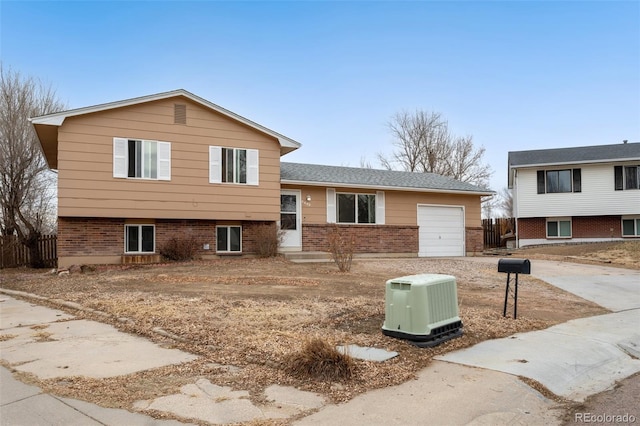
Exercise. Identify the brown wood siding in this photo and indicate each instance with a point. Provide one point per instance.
(87, 188)
(400, 206)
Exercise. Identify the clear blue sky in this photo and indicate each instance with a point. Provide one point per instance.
(515, 75)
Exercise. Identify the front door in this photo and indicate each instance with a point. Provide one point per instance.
(290, 223)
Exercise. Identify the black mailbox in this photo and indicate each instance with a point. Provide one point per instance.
(518, 266)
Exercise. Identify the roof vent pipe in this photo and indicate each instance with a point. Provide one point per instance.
(625, 141)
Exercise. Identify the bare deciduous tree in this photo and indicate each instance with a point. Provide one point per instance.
(422, 143)
(27, 186)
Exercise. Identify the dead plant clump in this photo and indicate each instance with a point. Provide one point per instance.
(320, 360)
(341, 248)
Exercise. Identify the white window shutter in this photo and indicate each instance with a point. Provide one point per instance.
(120, 158)
(253, 172)
(164, 161)
(331, 205)
(215, 164)
(380, 218)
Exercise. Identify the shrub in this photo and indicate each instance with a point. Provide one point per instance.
(320, 360)
(180, 248)
(341, 248)
(268, 239)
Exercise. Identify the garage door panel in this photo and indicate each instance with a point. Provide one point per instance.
(441, 231)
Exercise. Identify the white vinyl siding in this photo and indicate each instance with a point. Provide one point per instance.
(597, 196)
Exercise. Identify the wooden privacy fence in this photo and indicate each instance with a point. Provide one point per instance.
(496, 229)
(14, 254)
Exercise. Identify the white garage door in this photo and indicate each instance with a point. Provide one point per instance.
(441, 231)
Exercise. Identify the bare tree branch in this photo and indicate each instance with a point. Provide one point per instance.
(422, 143)
(27, 186)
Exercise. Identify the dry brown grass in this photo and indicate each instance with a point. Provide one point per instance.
(320, 360)
(254, 313)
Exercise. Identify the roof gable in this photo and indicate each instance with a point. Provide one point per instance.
(46, 124)
(319, 175)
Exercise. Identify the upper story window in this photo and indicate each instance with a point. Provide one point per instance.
(627, 177)
(141, 159)
(233, 165)
(556, 181)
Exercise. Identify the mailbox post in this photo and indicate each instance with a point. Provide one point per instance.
(515, 266)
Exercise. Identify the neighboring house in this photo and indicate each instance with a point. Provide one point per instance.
(135, 173)
(582, 194)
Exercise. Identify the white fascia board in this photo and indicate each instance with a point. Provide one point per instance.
(384, 188)
(58, 118)
(575, 163)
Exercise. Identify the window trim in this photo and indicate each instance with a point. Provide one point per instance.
(636, 226)
(356, 195)
(121, 159)
(252, 164)
(557, 220)
(575, 180)
(139, 226)
(228, 251)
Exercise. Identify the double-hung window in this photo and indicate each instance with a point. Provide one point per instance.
(626, 177)
(558, 181)
(559, 228)
(233, 165)
(356, 208)
(139, 238)
(631, 226)
(141, 159)
(229, 239)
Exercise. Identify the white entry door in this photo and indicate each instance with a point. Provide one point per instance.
(440, 231)
(290, 221)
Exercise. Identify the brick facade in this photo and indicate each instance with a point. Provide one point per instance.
(369, 238)
(474, 240)
(532, 228)
(596, 227)
(581, 227)
(105, 237)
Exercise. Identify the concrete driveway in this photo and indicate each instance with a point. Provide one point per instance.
(583, 356)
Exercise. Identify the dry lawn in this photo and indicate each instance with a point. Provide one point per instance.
(245, 317)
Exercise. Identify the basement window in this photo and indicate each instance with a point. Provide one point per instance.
(229, 239)
(139, 238)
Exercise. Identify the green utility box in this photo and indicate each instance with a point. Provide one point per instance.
(422, 309)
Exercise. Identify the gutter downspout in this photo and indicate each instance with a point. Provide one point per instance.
(515, 182)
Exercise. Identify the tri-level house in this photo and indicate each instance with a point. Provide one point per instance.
(581, 194)
(133, 174)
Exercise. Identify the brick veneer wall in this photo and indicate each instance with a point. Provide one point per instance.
(369, 238)
(581, 227)
(474, 240)
(90, 237)
(105, 237)
(596, 227)
(532, 228)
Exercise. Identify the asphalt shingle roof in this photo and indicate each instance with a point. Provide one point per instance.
(581, 154)
(359, 177)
